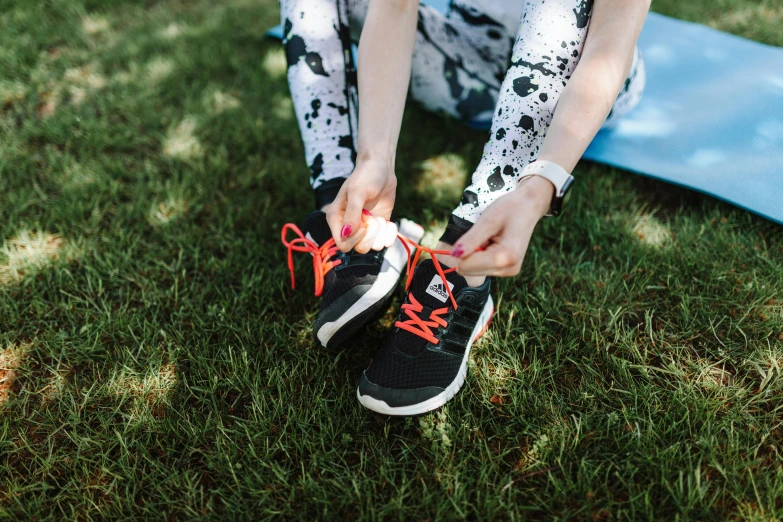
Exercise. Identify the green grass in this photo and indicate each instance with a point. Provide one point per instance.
(155, 363)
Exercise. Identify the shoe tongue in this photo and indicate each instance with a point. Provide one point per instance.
(428, 287)
(317, 228)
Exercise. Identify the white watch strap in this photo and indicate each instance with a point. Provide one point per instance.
(549, 170)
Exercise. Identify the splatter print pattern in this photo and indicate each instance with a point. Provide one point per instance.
(504, 60)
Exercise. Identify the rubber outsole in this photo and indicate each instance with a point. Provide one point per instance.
(451, 390)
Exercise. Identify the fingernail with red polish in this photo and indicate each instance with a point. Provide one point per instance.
(366, 212)
(346, 231)
(457, 251)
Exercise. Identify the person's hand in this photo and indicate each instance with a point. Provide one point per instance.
(504, 230)
(358, 217)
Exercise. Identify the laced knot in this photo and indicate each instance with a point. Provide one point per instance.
(415, 323)
(408, 243)
(322, 255)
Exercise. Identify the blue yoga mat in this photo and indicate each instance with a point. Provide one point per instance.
(711, 118)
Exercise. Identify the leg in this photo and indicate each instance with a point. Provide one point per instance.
(547, 49)
(631, 93)
(322, 78)
(459, 61)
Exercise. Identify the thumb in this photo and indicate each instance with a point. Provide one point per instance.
(473, 240)
(353, 211)
(352, 225)
(335, 213)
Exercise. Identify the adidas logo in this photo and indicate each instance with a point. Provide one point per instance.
(437, 289)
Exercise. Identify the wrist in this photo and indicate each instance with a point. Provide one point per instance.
(383, 156)
(535, 195)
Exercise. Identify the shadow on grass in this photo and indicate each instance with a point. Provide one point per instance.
(171, 370)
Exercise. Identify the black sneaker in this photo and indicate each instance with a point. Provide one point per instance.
(353, 286)
(424, 361)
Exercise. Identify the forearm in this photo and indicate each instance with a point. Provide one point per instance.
(385, 52)
(583, 107)
(603, 67)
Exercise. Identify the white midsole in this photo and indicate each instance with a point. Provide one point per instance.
(444, 396)
(394, 262)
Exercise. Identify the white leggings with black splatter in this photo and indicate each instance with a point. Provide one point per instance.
(504, 60)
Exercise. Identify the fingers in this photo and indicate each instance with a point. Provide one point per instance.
(334, 215)
(482, 232)
(497, 260)
(391, 234)
(372, 232)
(345, 218)
(380, 238)
(373, 226)
(353, 211)
(379, 234)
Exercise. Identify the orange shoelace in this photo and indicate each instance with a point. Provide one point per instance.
(415, 323)
(322, 263)
(322, 255)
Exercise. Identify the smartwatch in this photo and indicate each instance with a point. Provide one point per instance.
(557, 175)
